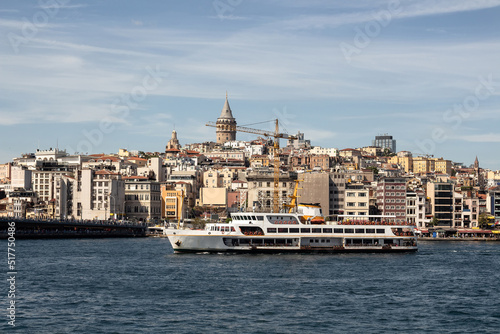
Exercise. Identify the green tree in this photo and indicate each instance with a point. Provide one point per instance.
(483, 220)
(434, 221)
(374, 169)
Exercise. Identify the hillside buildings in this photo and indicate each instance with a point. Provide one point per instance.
(216, 178)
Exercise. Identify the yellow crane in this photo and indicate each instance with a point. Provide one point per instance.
(276, 147)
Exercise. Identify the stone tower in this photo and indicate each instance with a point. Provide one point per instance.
(173, 143)
(226, 125)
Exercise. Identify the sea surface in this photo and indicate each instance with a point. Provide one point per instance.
(139, 286)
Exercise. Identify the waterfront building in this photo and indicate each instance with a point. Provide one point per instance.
(356, 199)
(415, 208)
(391, 198)
(440, 196)
(22, 201)
(97, 195)
(142, 198)
(44, 181)
(493, 202)
(173, 201)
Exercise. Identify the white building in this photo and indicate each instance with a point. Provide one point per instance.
(317, 150)
(98, 195)
(357, 200)
(415, 208)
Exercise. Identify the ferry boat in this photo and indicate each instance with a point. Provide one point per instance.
(296, 232)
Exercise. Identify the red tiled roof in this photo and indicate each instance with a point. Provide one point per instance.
(106, 172)
(135, 177)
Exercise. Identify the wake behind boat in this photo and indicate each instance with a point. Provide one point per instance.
(294, 232)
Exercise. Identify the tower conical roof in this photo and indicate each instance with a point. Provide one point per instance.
(226, 110)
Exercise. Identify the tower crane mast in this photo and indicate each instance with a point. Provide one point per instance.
(276, 147)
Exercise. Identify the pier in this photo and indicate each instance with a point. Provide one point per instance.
(45, 229)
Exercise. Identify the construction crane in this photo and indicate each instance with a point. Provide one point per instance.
(276, 147)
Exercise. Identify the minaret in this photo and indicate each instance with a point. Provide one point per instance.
(226, 125)
(479, 176)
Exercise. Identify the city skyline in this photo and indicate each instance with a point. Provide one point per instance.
(104, 76)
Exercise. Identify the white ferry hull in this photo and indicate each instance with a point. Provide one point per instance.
(192, 241)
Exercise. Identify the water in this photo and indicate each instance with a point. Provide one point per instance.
(140, 286)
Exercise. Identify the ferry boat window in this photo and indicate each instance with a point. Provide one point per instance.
(294, 230)
(360, 230)
(253, 218)
(370, 230)
(282, 230)
(260, 217)
(380, 230)
(349, 230)
(338, 230)
(271, 230)
(316, 230)
(305, 230)
(327, 230)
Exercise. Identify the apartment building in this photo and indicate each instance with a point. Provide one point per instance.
(97, 195)
(356, 199)
(441, 201)
(142, 198)
(391, 198)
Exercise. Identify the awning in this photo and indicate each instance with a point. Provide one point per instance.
(475, 231)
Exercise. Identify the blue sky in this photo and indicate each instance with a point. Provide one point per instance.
(96, 76)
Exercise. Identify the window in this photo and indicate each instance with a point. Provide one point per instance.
(360, 230)
(327, 230)
(380, 230)
(349, 230)
(305, 230)
(294, 230)
(282, 230)
(316, 230)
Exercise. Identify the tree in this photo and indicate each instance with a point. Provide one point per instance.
(374, 170)
(483, 220)
(434, 221)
